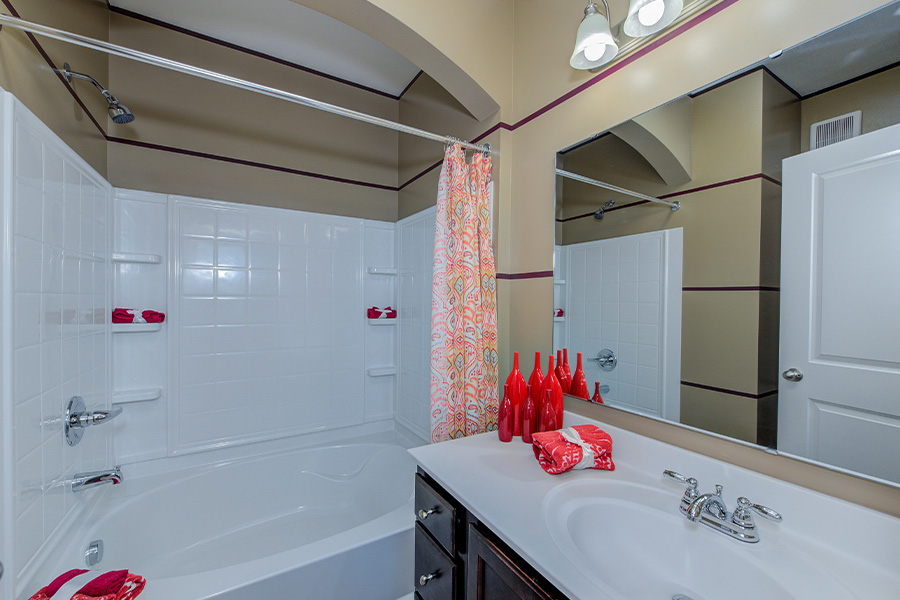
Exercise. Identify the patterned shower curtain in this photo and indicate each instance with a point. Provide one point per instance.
(464, 301)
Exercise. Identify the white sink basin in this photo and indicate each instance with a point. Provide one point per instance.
(631, 540)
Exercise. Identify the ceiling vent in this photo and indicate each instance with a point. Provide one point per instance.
(832, 131)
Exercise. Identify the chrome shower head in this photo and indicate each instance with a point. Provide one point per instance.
(118, 112)
(599, 214)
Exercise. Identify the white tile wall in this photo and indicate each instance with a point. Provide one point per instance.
(415, 251)
(267, 316)
(617, 293)
(55, 289)
(381, 341)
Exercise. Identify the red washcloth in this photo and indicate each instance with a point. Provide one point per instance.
(114, 585)
(577, 447)
(558, 312)
(128, 315)
(381, 313)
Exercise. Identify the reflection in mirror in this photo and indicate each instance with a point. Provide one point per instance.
(689, 300)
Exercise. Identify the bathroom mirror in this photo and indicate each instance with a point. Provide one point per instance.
(688, 299)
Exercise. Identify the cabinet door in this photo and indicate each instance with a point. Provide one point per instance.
(493, 573)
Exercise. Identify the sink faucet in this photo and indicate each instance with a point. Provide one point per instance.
(710, 510)
(85, 481)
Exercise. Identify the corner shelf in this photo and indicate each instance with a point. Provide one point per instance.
(558, 319)
(127, 396)
(381, 270)
(382, 321)
(126, 257)
(381, 371)
(136, 327)
(559, 282)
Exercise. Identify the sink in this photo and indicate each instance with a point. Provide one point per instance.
(631, 540)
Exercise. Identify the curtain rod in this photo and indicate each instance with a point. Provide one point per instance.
(608, 186)
(151, 59)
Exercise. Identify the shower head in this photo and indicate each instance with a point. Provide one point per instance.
(599, 214)
(118, 112)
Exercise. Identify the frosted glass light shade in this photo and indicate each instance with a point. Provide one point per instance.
(646, 17)
(594, 43)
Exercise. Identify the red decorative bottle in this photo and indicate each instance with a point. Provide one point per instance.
(517, 390)
(561, 373)
(579, 383)
(567, 368)
(529, 418)
(551, 385)
(505, 417)
(548, 414)
(597, 398)
(535, 381)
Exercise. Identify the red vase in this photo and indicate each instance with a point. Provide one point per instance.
(548, 415)
(597, 398)
(505, 417)
(579, 383)
(567, 368)
(552, 386)
(561, 373)
(529, 419)
(535, 381)
(517, 390)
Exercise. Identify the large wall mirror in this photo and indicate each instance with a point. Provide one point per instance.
(689, 300)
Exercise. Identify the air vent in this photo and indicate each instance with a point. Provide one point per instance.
(832, 131)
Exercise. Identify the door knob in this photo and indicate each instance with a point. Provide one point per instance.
(792, 375)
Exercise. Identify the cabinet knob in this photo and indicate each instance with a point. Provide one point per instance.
(424, 579)
(423, 514)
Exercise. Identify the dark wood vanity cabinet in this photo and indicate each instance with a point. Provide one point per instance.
(458, 558)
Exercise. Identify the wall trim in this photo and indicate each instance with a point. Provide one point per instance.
(730, 392)
(529, 275)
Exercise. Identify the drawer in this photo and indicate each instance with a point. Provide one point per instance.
(436, 567)
(439, 515)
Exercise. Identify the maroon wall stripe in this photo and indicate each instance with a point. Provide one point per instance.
(531, 275)
(251, 52)
(730, 392)
(748, 288)
(410, 84)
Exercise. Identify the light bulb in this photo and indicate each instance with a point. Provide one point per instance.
(594, 52)
(651, 13)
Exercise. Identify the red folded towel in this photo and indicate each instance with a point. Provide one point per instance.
(558, 312)
(381, 313)
(114, 585)
(131, 315)
(577, 447)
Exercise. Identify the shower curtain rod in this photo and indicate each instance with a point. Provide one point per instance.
(608, 186)
(150, 59)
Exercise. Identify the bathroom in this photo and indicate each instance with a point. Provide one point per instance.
(207, 166)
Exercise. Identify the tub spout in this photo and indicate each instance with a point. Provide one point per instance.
(84, 481)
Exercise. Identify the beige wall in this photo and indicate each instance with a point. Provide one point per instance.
(26, 74)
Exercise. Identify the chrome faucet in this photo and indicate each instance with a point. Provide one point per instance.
(710, 510)
(84, 481)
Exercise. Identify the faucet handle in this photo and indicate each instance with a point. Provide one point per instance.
(678, 477)
(742, 516)
(767, 512)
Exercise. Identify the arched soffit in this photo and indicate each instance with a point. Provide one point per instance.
(663, 137)
(393, 33)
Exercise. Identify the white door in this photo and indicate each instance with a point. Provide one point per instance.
(840, 305)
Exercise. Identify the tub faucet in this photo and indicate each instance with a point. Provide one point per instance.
(84, 481)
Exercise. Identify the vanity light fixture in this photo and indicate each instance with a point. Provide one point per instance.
(646, 17)
(594, 44)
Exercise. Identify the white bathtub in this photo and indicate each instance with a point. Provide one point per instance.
(327, 522)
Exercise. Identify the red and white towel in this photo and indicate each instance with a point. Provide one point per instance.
(381, 313)
(558, 312)
(134, 315)
(577, 447)
(78, 584)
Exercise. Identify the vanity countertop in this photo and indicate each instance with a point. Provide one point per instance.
(505, 488)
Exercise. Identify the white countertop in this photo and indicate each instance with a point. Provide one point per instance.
(503, 485)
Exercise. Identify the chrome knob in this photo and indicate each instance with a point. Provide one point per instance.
(423, 514)
(792, 375)
(424, 579)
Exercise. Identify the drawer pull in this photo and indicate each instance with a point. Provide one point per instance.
(423, 514)
(424, 579)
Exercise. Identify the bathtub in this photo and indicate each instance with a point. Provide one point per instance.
(327, 522)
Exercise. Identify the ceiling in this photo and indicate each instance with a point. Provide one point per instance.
(291, 32)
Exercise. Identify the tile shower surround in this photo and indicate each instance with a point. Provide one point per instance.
(55, 303)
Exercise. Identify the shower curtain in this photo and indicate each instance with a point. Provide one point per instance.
(464, 305)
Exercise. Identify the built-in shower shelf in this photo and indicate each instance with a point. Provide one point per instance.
(381, 270)
(381, 371)
(136, 327)
(558, 319)
(127, 257)
(559, 282)
(382, 321)
(127, 396)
